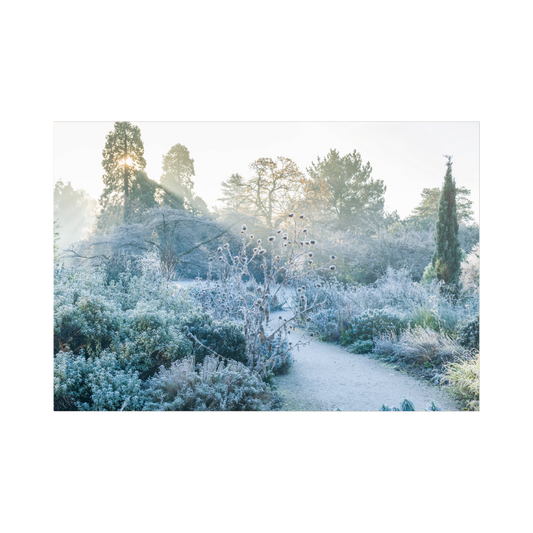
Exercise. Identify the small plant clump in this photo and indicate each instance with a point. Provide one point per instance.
(463, 377)
(214, 385)
(370, 324)
(468, 334)
(407, 405)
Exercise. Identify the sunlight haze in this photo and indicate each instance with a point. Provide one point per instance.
(407, 156)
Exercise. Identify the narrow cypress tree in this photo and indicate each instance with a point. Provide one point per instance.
(447, 257)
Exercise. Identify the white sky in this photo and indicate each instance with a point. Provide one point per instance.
(407, 156)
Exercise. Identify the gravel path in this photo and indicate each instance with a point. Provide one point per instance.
(324, 377)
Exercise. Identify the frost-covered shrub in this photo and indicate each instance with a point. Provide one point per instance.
(468, 333)
(150, 337)
(222, 337)
(95, 384)
(470, 271)
(84, 321)
(370, 324)
(112, 388)
(395, 293)
(89, 313)
(211, 386)
(120, 265)
(387, 345)
(327, 324)
(362, 346)
(70, 381)
(140, 281)
(278, 352)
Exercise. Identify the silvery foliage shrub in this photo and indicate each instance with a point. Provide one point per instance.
(223, 337)
(326, 322)
(280, 365)
(470, 271)
(126, 292)
(95, 384)
(239, 295)
(120, 263)
(395, 293)
(370, 324)
(214, 385)
(151, 287)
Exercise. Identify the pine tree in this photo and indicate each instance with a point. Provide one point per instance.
(352, 198)
(123, 156)
(447, 256)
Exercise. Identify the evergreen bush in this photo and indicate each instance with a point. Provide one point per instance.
(224, 337)
(468, 334)
(371, 324)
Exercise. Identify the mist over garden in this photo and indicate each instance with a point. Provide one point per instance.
(290, 256)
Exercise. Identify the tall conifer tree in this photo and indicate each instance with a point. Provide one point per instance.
(447, 257)
(123, 156)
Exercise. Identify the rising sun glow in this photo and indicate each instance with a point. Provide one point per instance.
(127, 162)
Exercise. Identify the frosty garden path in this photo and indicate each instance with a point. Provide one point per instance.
(325, 377)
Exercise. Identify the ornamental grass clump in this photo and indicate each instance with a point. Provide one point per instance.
(463, 378)
(284, 263)
(421, 345)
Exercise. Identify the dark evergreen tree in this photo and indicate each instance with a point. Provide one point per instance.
(447, 256)
(123, 156)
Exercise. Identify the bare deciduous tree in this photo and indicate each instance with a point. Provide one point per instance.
(174, 234)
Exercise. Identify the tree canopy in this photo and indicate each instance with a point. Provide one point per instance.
(123, 157)
(428, 208)
(176, 180)
(74, 211)
(270, 193)
(349, 193)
